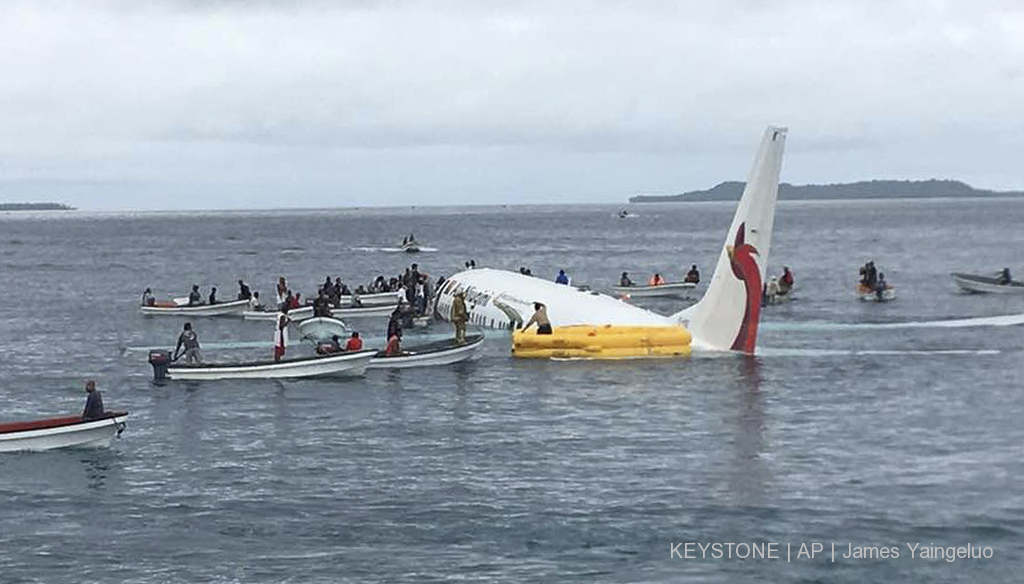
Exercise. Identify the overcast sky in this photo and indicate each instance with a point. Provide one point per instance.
(255, 104)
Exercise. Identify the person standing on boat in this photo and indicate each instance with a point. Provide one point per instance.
(243, 291)
(693, 276)
(880, 286)
(460, 316)
(213, 295)
(147, 298)
(322, 305)
(194, 297)
(93, 402)
(624, 280)
(540, 317)
(189, 340)
(282, 291)
(281, 333)
(562, 278)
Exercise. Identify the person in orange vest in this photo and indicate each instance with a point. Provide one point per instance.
(656, 280)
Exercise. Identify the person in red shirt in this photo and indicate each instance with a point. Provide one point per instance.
(354, 343)
(394, 348)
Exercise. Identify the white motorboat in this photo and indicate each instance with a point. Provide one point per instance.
(985, 284)
(378, 299)
(175, 309)
(66, 432)
(332, 365)
(868, 295)
(362, 312)
(296, 314)
(322, 328)
(661, 290)
(438, 353)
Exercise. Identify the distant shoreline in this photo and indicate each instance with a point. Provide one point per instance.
(873, 189)
(35, 207)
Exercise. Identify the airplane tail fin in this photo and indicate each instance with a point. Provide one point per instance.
(726, 317)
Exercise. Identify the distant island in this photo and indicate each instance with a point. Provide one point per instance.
(35, 207)
(869, 189)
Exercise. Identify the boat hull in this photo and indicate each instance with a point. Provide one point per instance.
(222, 309)
(868, 295)
(336, 365)
(445, 353)
(668, 289)
(984, 285)
(73, 433)
(296, 314)
(321, 328)
(379, 299)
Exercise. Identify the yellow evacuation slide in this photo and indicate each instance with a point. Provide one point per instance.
(602, 342)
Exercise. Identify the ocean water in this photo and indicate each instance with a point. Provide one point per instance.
(839, 432)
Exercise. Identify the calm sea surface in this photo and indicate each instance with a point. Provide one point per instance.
(505, 471)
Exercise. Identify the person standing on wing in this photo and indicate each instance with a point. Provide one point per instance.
(459, 316)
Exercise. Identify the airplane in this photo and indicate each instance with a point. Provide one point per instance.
(724, 319)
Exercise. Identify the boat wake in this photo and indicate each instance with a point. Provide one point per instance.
(390, 249)
(1003, 320)
(772, 352)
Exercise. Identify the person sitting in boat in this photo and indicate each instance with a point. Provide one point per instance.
(354, 342)
(147, 298)
(693, 276)
(656, 280)
(624, 280)
(254, 303)
(880, 286)
(332, 346)
(194, 297)
(562, 278)
(213, 295)
(394, 348)
(1004, 277)
(540, 317)
(786, 281)
(93, 402)
(189, 341)
(293, 301)
(281, 333)
(244, 293)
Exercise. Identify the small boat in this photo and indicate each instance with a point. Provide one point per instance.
(175, 309)
(362, 312)
(66, 432)
(868, 295)
(378, 299)
(443, 352)
(972, 283)
(411, 246)
(322, 328)
(661, 290)
(332, 365)
(296, 314)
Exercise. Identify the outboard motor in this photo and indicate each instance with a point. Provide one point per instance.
(159, 360)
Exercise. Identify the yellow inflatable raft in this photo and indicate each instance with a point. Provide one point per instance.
(602, 342)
